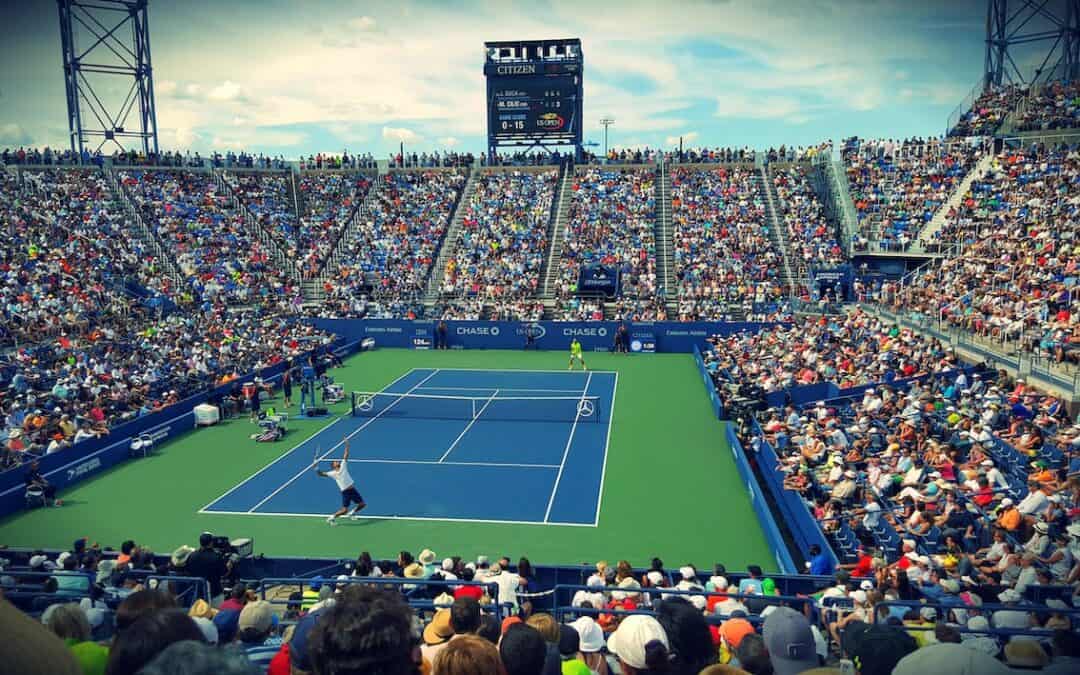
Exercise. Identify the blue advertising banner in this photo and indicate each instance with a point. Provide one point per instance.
(598, 280)
(664, 336)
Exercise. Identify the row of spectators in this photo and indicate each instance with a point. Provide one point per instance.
(504, 237)
(677, 622)
(344, 161)
(1055, 105)
(847, 350)
(537, 158)
(1016, 275)
(436, 159)
(898, 186)
(723, 253)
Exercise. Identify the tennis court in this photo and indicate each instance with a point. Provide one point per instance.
(498, 446)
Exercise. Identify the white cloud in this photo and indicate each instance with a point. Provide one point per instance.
(362, 23)
(13, 134)
(688, 137)
(750, 106)
(401, 135)
(226, 91)
(448, 142)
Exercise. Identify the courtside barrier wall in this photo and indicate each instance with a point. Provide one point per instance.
(649, 336)
(773, 538)
(73, 465)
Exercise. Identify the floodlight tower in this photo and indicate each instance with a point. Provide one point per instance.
(1032, 22)
(103, 41)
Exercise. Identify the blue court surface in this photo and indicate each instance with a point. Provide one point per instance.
(495, 446)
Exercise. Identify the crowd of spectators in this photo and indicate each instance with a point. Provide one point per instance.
(812, 239)
(988, 111)
(344, 161)
(611, 222)
(387, 264)
(327, 201)
(898, 186)
(957, 492)
(723, 253)
(220, 258)
(96, 612)
(846, 350)
(433, 160)
(537, 158)
(1054, 105)
(503, 238)
(1015, 277)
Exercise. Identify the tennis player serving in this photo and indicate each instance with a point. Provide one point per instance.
(575, 353)
(339, 471)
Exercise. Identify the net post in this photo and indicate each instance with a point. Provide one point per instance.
(352, 403)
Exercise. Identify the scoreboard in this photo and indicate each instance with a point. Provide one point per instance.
(534, 93)
(533, 106)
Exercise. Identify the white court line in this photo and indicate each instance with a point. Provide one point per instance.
(422, 518)
(339, 443)
(468, 426)
(295, 447)
(436, 462)
(534, 389)
(566, 452)
(520, 370)
(607, 442)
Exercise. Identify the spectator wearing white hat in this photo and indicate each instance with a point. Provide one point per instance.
(641, 645)
(1012, 618)
(591, 645)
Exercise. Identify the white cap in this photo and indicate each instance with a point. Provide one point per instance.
(633, 634)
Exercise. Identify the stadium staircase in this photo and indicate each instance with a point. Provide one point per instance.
(665, 256)
(449, 243)
(141, 231)
(778, 233)
(954, 200)
(839, 201)
(556, 234)
(312, 287)
(282, 258)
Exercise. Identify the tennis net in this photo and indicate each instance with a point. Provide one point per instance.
(493, 408)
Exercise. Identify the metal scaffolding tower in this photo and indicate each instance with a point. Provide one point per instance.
(1037, 23)
(103, 41)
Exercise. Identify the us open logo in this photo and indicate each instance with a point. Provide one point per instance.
(536, 330)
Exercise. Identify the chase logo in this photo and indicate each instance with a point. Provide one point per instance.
(585, 332)
(551, 121)
(478, 330)
(635, 346)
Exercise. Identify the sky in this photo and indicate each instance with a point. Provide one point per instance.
(297, 77)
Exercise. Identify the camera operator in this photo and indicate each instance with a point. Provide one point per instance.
(210, 564)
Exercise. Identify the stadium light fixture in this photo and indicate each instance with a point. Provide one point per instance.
(607, 122)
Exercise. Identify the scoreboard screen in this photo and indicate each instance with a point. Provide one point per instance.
(533, 107)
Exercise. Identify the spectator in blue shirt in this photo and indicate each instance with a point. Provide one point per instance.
(820, 563)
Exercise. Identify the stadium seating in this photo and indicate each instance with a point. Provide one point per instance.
(503, 241)
(988, 111)
(1001, 227)
(203, 226)
(812, 240)
(898, 186)
(327, 202)
(389, 259)
(723, 254)
(611, 222)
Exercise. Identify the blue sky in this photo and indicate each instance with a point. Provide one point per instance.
(306, 76)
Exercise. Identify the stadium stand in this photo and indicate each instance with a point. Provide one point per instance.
(1001, 226)
(389, 258)
(898, 186)
(812, 239)
(502, 244)
(724, 256)
(612, 223)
